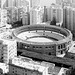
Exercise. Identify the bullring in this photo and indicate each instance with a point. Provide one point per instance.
(43, 38)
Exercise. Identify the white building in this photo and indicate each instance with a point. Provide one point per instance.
(69, 18)
(23, 65)
(3, 17)
(55, 11)
(72, 49)
(36, 16)
(63, 71)
(25, 19)
(4, 67)
(34, 3)
(26, 66)
(8, 47)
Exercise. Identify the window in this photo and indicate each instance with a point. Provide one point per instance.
(25, 73)
(49, 46)
(12, 71)
(43, 33)
(52, 46)
(33, 46)
(49, 53)
(25, 70)
(46, 47)
(59, 47)
(61, 52)
(27, 46)
(74, 46)
(72, 57)
(40, 47)
(36, 47)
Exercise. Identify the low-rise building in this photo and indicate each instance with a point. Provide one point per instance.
(26, 66)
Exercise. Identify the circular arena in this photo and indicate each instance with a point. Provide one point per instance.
(43, 38)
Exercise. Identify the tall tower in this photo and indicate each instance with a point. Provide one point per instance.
(57, 12)
(33, 16)
(69, 18)
(45, 14)
(25, 19)
(8, 47)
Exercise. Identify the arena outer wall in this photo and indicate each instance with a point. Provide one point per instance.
(50, 48)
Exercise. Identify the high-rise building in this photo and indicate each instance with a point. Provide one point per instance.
(36, 16)
(0, 16)
(25, 19)
(0, 3)
(69, 18)
(12, 14)
(73, 1)
(55, 11)
(8, 48)
(33, 16)
(45, 14)
(34, 3)
(48, 13)
(21, 11)
(3, 17)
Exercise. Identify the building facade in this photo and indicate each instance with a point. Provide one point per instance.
(68, 18)
(8, 48)
(26, 66)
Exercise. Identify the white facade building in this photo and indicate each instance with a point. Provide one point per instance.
(3, 17)
(36, 16)
(55, 11)
(8, 47)
(72, 49)
(23, 65)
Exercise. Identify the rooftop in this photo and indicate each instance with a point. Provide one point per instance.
(32, 65)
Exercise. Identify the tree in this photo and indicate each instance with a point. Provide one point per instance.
(53, 22)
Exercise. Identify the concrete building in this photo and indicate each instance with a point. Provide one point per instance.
(4, 68)
(34, 3)
(59, 2)
(3, 17)
(8, 48)
(55, 11)
(69, 18)
(12, 15)
(26, 66)
(0, 15)
(45, 14)
(72, 49)
(26, 19)
(8, 51)
(36, 15)
(9, 3)
(21, 12)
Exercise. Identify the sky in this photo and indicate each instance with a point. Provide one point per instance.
(46, 2)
